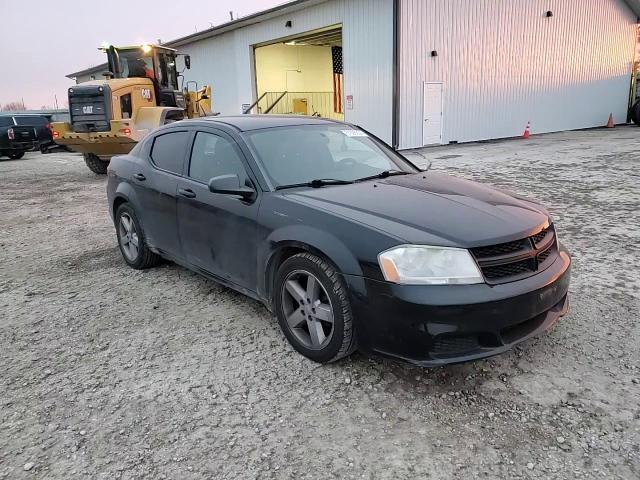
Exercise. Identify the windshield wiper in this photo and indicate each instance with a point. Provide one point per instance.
(321, 182)
(383, 174)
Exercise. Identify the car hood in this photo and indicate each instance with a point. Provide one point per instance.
(430, 208)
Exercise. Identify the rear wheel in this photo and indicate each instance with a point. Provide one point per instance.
(131, 241)
(95, 164)
(635, 113)
(313, 309)
(16, 155)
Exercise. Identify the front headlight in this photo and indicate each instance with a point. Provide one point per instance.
(427, 265)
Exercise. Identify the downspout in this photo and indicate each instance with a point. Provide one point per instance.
(395, 116)
(635, 71)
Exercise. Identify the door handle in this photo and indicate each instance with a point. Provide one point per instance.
(187, 192)
(139, 176)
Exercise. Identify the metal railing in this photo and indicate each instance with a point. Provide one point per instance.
(248, 110)
(319, 104)
(275, 103)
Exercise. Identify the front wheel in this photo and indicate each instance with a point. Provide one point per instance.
(16, 155)
(313, 310)
(95, 164)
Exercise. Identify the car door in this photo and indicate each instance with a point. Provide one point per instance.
(218, 232)
(155, 181)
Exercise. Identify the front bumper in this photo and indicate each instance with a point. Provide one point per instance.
(114, 142)
(438, 325)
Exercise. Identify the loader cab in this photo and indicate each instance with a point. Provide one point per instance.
(153, 62)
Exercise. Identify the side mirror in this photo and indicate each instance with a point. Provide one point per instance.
(230, 185)
(187, 62)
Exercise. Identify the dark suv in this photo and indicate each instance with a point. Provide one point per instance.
(23, 133)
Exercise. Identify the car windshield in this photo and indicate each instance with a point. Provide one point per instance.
(301, 154)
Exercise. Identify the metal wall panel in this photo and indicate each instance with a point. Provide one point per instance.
(213, 63)
(226, 61)
(504, 63)
(87, 78)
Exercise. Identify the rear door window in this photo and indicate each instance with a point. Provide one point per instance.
(169, 150)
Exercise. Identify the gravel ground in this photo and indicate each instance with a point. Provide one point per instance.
(112, 373)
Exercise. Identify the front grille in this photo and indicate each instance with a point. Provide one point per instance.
(544, 255)
(509, 269)
(90, 108)
(500, 249)
(515, 260)
(449, 344)
(539, 237)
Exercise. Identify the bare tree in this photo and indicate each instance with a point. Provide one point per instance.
(12, 107)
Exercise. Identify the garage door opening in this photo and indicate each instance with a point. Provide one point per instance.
(301, 75)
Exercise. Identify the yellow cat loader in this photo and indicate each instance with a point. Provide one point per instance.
(139, 93)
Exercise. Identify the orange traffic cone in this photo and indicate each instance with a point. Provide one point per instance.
(527, 131)
(610, 122)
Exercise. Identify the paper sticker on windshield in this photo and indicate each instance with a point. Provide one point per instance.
(354, 133)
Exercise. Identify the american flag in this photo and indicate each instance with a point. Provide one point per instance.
(338, 80)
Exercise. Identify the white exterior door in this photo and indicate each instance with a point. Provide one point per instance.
(432, 114)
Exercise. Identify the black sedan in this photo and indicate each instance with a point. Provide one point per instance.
(346, 241)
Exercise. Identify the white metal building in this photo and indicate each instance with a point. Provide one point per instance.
(423, 72)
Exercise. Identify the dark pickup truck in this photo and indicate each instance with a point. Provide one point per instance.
(23, 133)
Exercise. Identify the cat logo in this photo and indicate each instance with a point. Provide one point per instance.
(87, 109)
(146, 93)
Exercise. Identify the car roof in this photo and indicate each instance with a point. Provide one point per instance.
(256, 122)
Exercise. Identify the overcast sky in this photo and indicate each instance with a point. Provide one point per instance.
(41, 42)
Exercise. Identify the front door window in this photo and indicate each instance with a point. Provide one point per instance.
(213, 156)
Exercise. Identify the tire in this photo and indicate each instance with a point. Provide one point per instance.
(635, 113)
(16, 156)
(95, 164)
(140, 257)
(297, 320)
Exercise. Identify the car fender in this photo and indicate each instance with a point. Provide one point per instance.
(126, 192)
(304, 237)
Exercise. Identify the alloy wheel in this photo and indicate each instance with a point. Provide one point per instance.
(307, 309)
(129, 240)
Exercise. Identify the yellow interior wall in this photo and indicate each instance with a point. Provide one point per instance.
(296, 68)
